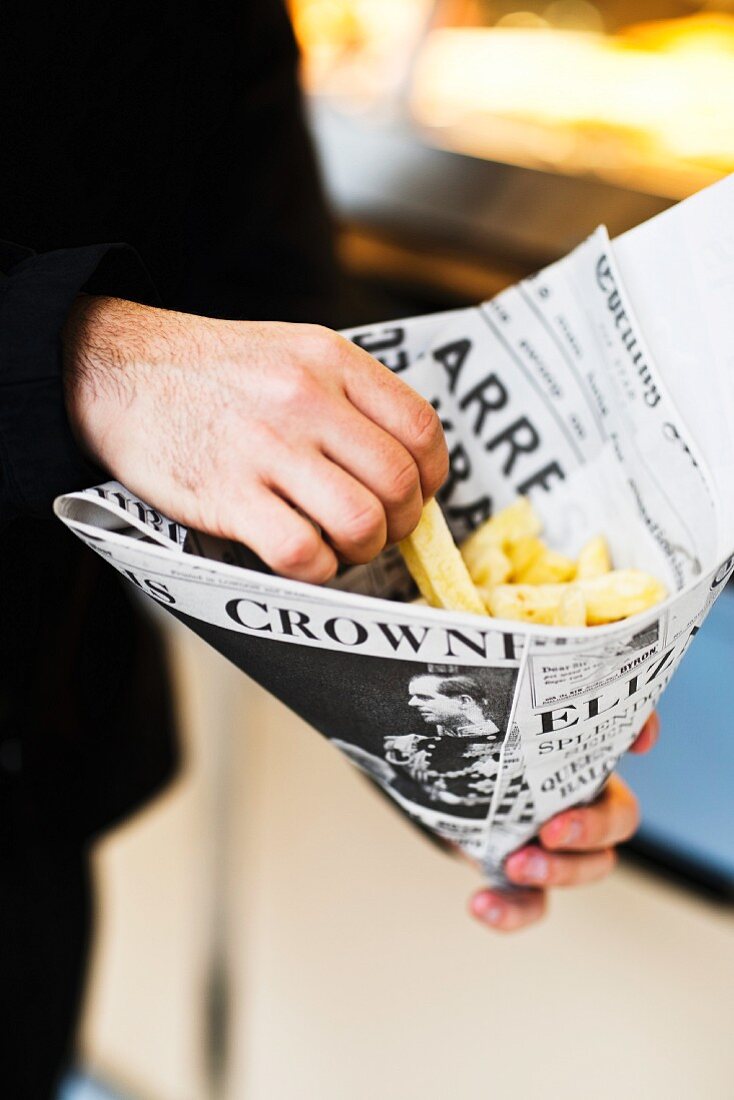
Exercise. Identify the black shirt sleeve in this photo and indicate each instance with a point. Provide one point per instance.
(38, 455)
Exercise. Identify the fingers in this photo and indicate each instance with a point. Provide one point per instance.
(381, 464)
(576, 848)
(287, 542)
(648, 735)
(532, 866)
(399, 410)
(611, 819)
(508, 912)
(351, 517)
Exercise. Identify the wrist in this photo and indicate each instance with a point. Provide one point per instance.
(95, 370)
(78, 366)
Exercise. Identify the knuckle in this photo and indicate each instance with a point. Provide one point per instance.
(293, 387)
(430, 443)
(403, 484)
(442, 465)
(323, 343)
(404, 525)
(425, 427)
(364, 524)
(295, 551)
(324, 570)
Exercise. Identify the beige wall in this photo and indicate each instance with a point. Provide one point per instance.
(354, 970)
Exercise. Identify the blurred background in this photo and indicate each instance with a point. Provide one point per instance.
(270, 929)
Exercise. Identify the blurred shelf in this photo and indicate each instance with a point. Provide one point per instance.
(384, 180)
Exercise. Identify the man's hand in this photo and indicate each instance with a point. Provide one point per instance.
(576, 847)
(236, 427)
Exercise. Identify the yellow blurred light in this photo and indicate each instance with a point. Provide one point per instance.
(650, 98)
(574, 15)
(526, 19)
(705, 32)
(357, 49)
(652, 106)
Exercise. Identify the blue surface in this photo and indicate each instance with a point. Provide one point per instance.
(81, 1086)
(686, 784)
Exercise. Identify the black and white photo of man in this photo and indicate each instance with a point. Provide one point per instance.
(452, 763)
(453, 760)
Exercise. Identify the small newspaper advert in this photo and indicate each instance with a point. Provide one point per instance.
(602, 389)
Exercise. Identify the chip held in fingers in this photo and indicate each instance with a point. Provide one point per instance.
(504, 569)
(436, 565)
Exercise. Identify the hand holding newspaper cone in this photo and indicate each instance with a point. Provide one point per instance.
(575, 388)
(577, 846)
(425, 460)
(574, 848)
(243, 429)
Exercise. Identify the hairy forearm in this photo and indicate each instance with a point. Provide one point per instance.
(110, 347)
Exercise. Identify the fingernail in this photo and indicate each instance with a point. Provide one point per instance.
(530, 866)
(488, 909)
(573, 832)
(564, 830)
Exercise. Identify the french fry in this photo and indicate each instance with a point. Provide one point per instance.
(437, 566)
(610, 597)
(512, 523)
(594, 559)
(533, 563)
(418, 573)
(548, 567)
(528, 603)
(572, 608)
(619, 594)
(494, 567)
(547, 587)
(522, 553)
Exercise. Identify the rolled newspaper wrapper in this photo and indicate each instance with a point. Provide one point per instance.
(601, 389)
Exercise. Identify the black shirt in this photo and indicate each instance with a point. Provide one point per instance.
(174, 127)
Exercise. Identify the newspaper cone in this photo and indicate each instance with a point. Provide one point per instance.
(600, 388)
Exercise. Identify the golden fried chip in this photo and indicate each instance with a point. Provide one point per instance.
(511, 523)
(418, 573)
(610, 597)
(529, 603)
(594, 558)
(550, 567)
(437, 566)
(548, 588)
(522, 553)
(572, 608)
(493, 567)
(619, 594)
